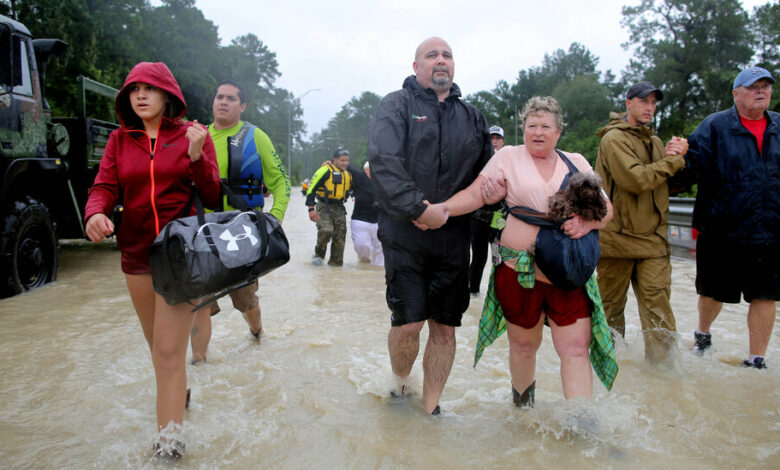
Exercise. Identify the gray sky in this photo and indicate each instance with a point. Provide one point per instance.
(345, 47)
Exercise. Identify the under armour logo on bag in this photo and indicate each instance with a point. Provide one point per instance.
(233, 239)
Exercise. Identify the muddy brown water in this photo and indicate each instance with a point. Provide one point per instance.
(77, 386)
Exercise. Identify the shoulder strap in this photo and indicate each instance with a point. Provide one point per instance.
(534, 217)
(235, 144)
(572, 169)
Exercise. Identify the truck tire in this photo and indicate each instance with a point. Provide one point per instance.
(29, 255)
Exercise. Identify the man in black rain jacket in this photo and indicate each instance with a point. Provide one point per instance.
(425, 144)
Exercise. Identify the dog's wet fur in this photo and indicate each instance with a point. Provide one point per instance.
(581, 197)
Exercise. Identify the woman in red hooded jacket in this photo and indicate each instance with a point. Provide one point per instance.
(150, 166)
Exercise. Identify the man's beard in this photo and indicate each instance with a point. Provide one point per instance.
(442, 83)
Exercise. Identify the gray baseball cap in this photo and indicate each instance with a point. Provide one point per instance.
(496, 130)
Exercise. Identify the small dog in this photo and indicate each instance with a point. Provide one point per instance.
(581, 197)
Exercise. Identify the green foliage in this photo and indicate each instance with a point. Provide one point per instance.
(767, 21)
(347, 129)
(692, 49)
(108, 37)
(569, 76)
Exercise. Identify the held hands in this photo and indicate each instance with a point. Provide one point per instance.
(493, 190)
(676, 146)
(576, 227)
(99, 227)
(196, 134)
(434, 216)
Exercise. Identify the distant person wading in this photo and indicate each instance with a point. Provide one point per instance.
(329, 188)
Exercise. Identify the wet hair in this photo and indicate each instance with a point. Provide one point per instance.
(539, 104)
(241, 97)
(173, 108)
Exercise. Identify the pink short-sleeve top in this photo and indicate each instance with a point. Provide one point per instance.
(526, 187)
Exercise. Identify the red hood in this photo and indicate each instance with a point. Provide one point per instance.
(153, 73)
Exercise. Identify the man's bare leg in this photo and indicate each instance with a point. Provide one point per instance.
(252, 317)
(760, 320)
(403, 343)
(709, 309)
(200, 336)
(437, 362)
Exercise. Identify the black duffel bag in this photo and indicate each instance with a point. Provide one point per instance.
(206, 256)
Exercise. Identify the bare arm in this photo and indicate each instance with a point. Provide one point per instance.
(483, 190)
(576, 227)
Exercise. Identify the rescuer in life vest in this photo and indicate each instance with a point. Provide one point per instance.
(330, 187)
(250, 166)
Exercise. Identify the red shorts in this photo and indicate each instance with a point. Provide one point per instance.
(523, 307)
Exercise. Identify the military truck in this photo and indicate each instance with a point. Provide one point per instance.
(47, 163)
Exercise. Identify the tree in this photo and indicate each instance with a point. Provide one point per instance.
(108, 37)
(767, 21)
(586, 105)
(100, 46)
(347, 129)
(569, 76)
(178, 34)
(690, 48)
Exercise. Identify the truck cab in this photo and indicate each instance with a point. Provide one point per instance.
(46, 163)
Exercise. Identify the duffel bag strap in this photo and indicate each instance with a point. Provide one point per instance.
(201, 214)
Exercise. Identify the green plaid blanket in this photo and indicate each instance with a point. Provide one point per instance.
(493, 324)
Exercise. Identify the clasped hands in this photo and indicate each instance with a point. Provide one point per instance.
(676, 146)
(490, 190)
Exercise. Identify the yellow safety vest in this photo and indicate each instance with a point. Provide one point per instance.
(337, 184)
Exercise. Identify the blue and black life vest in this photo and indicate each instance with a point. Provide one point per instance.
(245, 169)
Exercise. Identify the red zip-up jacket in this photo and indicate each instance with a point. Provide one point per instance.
(153, 183)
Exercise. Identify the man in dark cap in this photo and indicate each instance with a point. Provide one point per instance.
(481, 232)
(634, 166)
(735, 157)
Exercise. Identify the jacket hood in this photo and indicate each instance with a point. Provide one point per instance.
(618, 121)
(156, 74)
(411, 83)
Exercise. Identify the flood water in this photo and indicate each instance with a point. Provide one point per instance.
(77, 386)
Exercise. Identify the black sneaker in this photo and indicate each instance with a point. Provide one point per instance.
(703, 342)
(757, 363)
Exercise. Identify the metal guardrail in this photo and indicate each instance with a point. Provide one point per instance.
(681, 211)
(681, 235)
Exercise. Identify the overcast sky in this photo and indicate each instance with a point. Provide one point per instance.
(345, 47)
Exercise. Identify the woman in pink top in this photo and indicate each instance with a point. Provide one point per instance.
(527, 175)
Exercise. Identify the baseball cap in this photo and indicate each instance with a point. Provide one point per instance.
(496, 130)
(750, 76)
(339, 152)
(643, 89)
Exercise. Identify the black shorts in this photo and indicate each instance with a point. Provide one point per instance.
(726, 270)
(427, 272)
